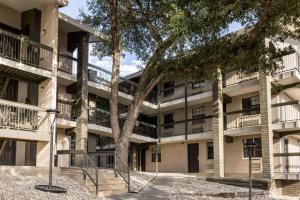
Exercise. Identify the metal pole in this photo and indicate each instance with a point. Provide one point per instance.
(250, 172)
(156, 160)
(51, 153)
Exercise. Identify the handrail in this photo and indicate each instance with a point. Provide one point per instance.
(241, 111)
(21, 105)
(118, 171)
(295, 102)
(96, 182)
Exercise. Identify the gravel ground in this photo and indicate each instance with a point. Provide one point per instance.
(140, 179)
(22, 187)
(192, 188)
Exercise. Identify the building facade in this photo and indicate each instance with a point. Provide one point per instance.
(188, 126)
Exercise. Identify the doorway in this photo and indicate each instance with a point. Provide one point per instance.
(193, 158)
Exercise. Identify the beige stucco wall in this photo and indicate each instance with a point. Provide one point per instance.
(20, 153)
(22, 91)
(10, 17)
(174, 158)
(62, 143)
(235, 163)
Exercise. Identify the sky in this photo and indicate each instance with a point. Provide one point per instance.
(129, 63)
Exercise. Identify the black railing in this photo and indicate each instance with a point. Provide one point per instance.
(194, 126)
(66, 109)
(242, 119)
(21, 49)
(102, 118)
(67, 64)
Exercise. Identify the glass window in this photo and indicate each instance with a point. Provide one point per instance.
(251, 105)
(168, 89)
(168, 121)
(154, 154)
(198, 84)
(210, 150)
(256, 152)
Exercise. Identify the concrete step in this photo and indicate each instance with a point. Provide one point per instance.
(110, 193)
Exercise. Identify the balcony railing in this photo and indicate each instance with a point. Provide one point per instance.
(286, 112)
(99, 75)
(290, 62)
(18, 116)
(242, 119)
(179, 91)
(21, 49)
(102, 118)
(197, 125)
(67, 64)
(66, 109)
(236, 77)
(287, 162)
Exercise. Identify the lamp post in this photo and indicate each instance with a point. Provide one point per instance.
(250, 145)
(51, 188)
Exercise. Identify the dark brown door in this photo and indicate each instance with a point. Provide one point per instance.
(193, 158)
(8, 152)
(143, 160)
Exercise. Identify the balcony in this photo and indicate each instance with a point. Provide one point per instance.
(99, 123)
(67, 69)
(287, 166)
(175, 97)
(24, 58)
(22, 121)
(198, 128)
(290, 73)
(286, 116)
(67, 115)
(242, 122)
(238, 83)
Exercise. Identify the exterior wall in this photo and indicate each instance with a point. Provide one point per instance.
(62, 143)
(174, 158)
(235, 163)
(290, 188)
(237, 102)
(10, 17)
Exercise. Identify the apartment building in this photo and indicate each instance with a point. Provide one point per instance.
(190, 126)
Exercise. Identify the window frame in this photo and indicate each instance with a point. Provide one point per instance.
(197, 115)
(153, 157)
(254, 105)
(168, 125)
(168, 88)
(210, 145)
(257, 151)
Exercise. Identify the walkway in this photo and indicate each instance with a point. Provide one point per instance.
(159, 189)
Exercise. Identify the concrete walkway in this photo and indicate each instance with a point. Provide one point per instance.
(158, 189)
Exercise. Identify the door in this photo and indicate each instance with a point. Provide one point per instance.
(193, 158)
(143, 160)
(8, 152)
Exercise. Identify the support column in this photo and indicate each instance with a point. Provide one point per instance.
(186, 110)
(217, 107)
(81, 129)
(48, 89)
(266, 125)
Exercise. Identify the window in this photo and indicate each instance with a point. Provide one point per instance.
(256, 152)
(251, 105)
(198, 84)
(198, 114)
(168, 88)
(168, 121)
(154, 154)
(210, 150)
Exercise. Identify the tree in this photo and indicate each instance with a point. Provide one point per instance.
(186, 37)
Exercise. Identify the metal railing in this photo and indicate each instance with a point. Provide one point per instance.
(91, 170)
(197, 125)
(67, 64)
(102, 118)
(242, 119)
(287, 162)
(179, 91)
(290, 62)
(66, 109)
(19, 116)
(99, 75)
(236, 77)
(286, 112)
(21, 49)
(123, 170)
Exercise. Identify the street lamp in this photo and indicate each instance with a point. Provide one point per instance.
(51, 188)
(250, 146)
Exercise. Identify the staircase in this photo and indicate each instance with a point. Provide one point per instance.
(109, 185)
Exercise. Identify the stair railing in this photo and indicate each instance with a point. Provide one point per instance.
(91, 171)
(123, 170)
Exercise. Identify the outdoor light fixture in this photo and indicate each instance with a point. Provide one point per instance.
(50, 187)
(250, 146)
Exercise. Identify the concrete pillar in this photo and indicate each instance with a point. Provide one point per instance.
(48, 88)
(81, 129)
(218, 135)
(20, 153)
(266, 125)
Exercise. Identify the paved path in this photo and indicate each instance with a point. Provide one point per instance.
(158, 189)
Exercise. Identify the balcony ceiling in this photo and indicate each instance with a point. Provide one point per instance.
(23, 5)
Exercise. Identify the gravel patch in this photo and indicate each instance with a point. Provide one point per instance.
(22, 187)
(192, 188)
(139, 180)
